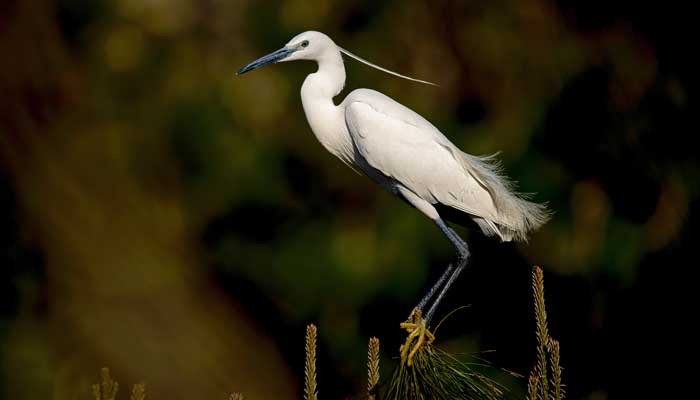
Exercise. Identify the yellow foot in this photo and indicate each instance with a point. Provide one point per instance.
(417, 332)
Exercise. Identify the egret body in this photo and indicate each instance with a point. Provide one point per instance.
(405, 154)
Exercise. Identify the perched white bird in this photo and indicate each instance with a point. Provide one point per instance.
(405, 154)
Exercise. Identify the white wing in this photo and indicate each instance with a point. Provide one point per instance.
(408, 149)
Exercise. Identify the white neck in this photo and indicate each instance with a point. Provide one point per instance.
(325, 118)
(328, 81)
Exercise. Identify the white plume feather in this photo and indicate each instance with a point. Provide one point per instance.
(362, 60)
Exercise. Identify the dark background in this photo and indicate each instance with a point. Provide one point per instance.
(181, 225)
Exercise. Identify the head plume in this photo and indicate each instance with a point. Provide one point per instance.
(362, 60)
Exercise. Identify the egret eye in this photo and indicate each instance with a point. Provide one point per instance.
(305, 43)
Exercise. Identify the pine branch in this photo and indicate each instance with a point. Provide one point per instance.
(372, 367)
(533, 385)
(542, 332)
(556, 391)
(310, 392)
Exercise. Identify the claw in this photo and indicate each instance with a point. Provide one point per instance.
(418, 332)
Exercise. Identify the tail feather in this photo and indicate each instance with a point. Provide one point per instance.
(517, 216)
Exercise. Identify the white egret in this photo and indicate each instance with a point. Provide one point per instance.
(407, 155)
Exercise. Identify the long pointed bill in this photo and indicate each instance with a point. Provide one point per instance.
(271, 58)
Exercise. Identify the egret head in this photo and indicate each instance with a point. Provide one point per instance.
(309, 45)
(316, 46)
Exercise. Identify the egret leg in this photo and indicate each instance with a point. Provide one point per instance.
(424, 301)
(416, 325)
(460, 266)
(460, 245)
(463, 256)
(430, 211)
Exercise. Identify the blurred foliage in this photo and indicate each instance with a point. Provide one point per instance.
(107, 389)
(156, 209)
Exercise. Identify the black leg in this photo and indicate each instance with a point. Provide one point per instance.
(460, 266)
(463, 256)
(435, 288)
(457, 241)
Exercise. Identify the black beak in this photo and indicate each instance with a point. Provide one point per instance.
(268, 59)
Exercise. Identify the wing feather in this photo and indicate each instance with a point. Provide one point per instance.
(408, 149)
(405, 147)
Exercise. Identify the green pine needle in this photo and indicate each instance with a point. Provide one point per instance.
(437, 375)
